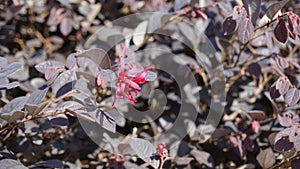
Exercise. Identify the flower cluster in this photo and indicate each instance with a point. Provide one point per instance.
(294, 24)
(117, 161)
(129, 80)
(194, 12)
(162, 151)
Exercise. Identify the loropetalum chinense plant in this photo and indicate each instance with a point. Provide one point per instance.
(44, 84)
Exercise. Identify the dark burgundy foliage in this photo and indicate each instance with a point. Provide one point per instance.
(281, 31)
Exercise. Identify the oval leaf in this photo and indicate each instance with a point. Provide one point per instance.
(229, 26)
(203, 157)
(281, 31)
(292, 96)
(282, 85)
(145, 150)
(140, 33)
(245, 30)
(65, 26)
(254, 69)
(274, 8)
(266, 158)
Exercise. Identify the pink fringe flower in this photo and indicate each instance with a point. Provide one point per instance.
(125, 83)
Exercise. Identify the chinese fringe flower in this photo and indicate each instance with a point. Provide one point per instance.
(126, 83)
(162, 150)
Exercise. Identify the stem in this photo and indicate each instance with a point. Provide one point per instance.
(256, 29)
(294, 157)
(270, 22)
(41, 113)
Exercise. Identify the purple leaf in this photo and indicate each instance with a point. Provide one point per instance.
(11, 164)
(51, 73)
(257, 115)
(282, 85)
(105, 120)
(269, 40)
(65, 2)
(274, 8)
(281, 31)
(98, 116)
(248, 143)
(253, 9)
(296, 141)
(266, 158)
(34, 109)
(254, 69)
(239, 14)
(65, 26)
(145, 150)
(71, 105)
(239, 148)
(203, 157)
(12, 110)
(292, 96)
(226, 7)
(10, 69)
(64, 83)
(281, 62)
(42, 67)
(60, 120)
(37, 96)
(219, 133)
(295, 164)
(71, 61)
(229, 26)
(245, 30)
(283, 144)
(183, 161)
(287, 119)
(98, 56)
(178, 4)
(50, 164)
(274, 93)
(7, 86)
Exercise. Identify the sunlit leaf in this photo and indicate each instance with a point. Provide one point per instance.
(274, 8)
(10, 69)
(253, 9)
(245, 30)
(203, 157)
(282, 85)
(65, 26)
(292, 96)
(60, 120)
(64, 83)
(140, 33)
(266, 158)
(145, 150)
(11, 164)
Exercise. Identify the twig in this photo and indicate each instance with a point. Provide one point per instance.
(294, 157)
